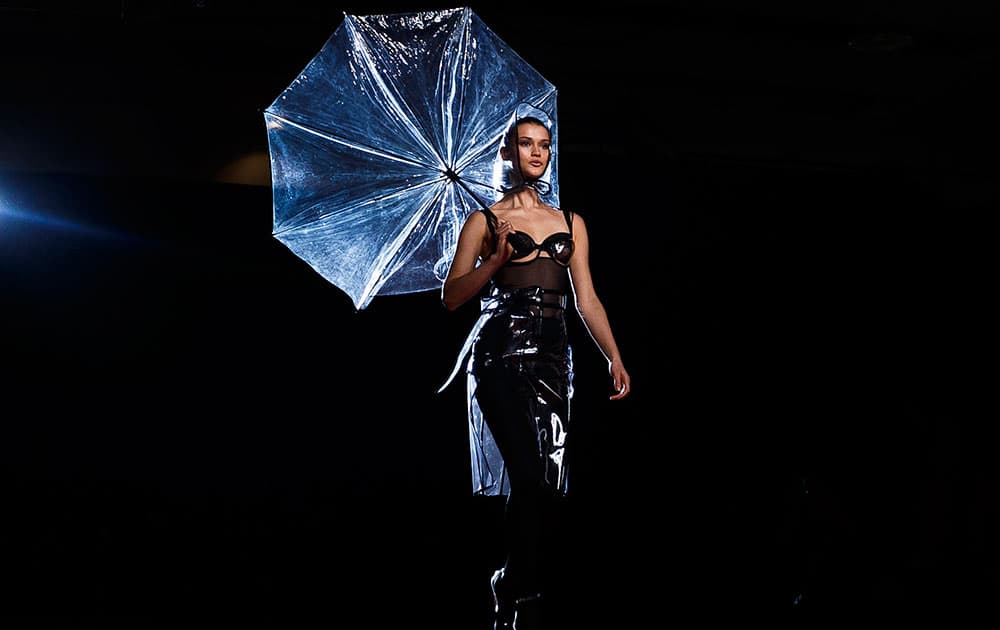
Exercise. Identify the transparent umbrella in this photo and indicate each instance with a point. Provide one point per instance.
(389, 138)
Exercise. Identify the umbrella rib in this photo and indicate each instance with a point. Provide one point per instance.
(398, 106)
(459, 65)
(378, 276)
(354, 206)
(469, 158)
(352, 144)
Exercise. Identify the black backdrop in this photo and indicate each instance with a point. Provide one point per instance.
(198, 425)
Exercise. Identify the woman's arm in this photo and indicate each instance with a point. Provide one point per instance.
(591, 310)
(465, 279)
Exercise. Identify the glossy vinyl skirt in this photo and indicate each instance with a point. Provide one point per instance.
(520, 386)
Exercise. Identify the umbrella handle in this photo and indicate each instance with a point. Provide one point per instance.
(453, 176)
(491, 218)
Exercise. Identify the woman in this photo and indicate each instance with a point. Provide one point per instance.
(524, 258)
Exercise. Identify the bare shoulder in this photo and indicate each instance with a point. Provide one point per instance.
(475, 217)
(475, 220)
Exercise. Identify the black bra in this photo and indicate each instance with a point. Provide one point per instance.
(559, 246)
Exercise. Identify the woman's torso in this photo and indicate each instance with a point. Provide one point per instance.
(529, 294)
(543, 246)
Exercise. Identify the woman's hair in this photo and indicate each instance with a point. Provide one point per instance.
(510, 138)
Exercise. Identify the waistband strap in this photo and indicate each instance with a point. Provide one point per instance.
(530, 301)
(530, 297)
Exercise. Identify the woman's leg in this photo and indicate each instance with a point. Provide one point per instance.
(526, 409)
(507, 408)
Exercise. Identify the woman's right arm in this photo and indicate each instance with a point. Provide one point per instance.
(465, 279)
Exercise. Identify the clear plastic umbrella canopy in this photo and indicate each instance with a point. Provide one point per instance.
(389, 138)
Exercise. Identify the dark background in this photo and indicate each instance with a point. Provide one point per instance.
(787, 206)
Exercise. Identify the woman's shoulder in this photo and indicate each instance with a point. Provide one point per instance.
(477, 217)
(475, 222)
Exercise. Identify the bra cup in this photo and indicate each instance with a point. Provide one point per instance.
(559, 246)
(522, 243)
(561, 250)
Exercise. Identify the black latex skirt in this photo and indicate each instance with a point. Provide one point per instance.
(519, 384)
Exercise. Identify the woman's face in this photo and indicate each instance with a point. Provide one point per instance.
(533, 149)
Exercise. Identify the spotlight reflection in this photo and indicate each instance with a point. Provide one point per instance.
(9, 216)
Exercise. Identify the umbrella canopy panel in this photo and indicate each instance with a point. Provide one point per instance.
(389, 138)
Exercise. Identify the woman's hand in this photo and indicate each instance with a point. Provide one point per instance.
(504, 249)
(623, 384)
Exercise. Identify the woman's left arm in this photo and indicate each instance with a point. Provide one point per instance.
(591, 310)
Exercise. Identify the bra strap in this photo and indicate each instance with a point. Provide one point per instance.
(491, 223)
(569, 220)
